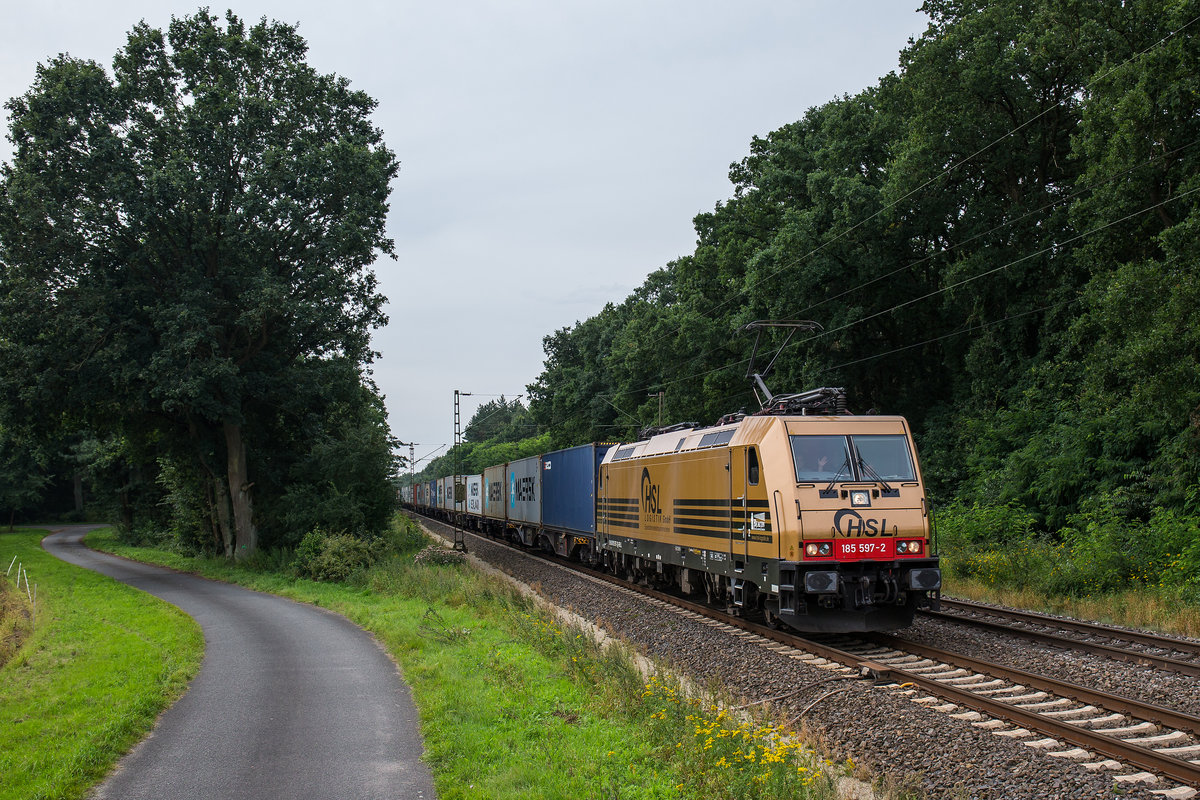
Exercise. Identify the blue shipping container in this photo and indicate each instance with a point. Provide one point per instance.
(569, 487)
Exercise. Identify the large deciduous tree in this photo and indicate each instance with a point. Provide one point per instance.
(179, 238)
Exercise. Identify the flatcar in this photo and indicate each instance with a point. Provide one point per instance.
(813, 518)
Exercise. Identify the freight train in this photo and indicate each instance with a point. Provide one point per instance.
(813, 518)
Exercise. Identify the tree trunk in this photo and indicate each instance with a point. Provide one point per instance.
(126, 510)
(239, 492)
(78, 492)
(219, 498)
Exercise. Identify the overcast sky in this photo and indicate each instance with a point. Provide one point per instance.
(552, 153)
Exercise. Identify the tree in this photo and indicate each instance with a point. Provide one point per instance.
(176, 240)
(502, 420)
(22, 474)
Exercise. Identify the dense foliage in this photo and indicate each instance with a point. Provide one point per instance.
(186, 296)
(999, 240)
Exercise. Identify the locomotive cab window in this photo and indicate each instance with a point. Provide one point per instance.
(885, 457)
(821, 458)
(877, 457)
(752, 466)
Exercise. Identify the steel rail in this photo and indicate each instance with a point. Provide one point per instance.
(1191, 668)
(1149, 712)
(1137, 755)
(1079, 626)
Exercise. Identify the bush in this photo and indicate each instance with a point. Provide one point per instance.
(403, 536)
(1103, 549)
(962, 526)
(324, 556)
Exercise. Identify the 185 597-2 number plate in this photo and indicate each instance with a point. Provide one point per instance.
(855, 549)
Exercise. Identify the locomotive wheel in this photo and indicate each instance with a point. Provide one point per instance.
(771, 618)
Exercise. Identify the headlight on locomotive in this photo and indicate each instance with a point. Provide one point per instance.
(909, 548)
(818, 549)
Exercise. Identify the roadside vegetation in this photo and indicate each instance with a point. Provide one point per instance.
(513, 703)
(98, 665)
(16, 618)
(1101, 565)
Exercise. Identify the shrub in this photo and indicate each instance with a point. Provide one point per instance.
(403, 536)
(961, 526)
(324, 556)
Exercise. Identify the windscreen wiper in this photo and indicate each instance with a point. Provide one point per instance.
(828, 490)
(870, 472)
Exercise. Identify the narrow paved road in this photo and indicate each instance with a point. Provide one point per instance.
(291, 701)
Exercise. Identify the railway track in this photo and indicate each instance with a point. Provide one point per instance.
(1065, 720)
(1138, 647)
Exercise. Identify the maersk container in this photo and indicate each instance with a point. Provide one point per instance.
(569, 487)
(474, 500)
(494, 492)
(525, 490)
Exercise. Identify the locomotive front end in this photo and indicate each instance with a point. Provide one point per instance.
(858, 554)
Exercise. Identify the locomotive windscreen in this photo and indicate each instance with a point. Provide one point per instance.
(827, 458)
(820, 458)
(887, 456)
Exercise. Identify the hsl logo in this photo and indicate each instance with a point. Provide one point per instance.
(650, 497)
(855, 525)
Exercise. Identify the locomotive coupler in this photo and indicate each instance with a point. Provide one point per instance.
(891, 588)
(863, 596)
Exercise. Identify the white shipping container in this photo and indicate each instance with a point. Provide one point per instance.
(494, 492)
(525, 490)
(474, 500)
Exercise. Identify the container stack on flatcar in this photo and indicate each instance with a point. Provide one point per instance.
(818, 521)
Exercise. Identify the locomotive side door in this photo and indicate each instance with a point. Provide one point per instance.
(739, 538)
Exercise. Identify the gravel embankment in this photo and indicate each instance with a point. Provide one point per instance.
(879, 728)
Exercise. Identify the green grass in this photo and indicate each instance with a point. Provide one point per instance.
(1151, 609)
(513, 705)
(87, 684)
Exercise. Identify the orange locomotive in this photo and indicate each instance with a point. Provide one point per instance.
(814, 517)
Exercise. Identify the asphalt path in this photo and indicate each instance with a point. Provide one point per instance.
(290, 702)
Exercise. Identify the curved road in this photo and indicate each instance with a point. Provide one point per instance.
(290, 702)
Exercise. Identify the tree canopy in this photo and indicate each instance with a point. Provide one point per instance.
(999, 240)
(185, 260)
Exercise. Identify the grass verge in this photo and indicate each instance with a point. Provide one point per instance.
(514, 705)
(16, 617)
(99, 665)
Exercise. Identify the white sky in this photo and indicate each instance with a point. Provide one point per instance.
(552, 153)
